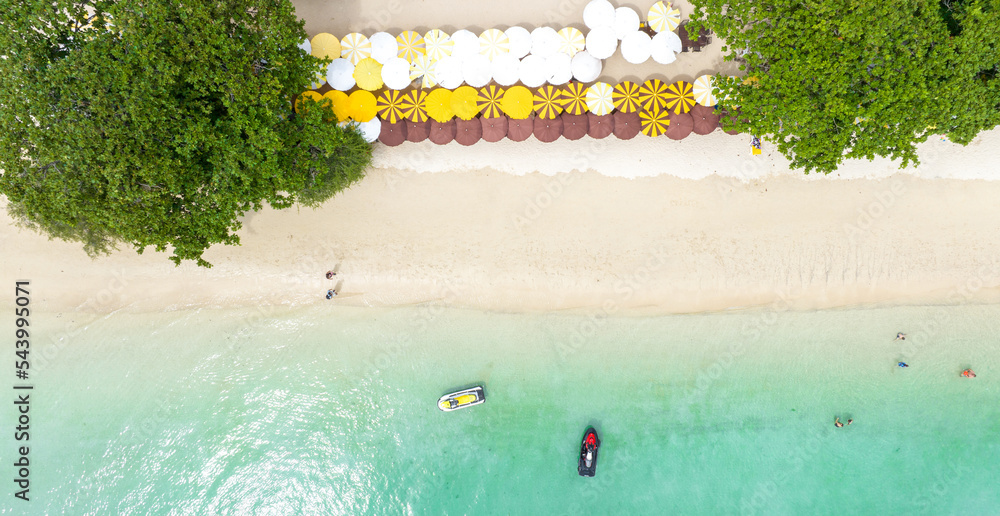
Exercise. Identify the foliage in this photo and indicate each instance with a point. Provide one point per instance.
(833, 80)
(161, 123)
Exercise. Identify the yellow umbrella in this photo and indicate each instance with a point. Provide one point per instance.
(517, 102)
(423, 67)
(653, 123)
(361, 106)
(680, 98)
(368, 74)
(599, 100)
(320, 78)
(411, 45)
(325, 46)
(464, 102)
(571, 40)
(390, 106)
(704, 91)
(546, 102)
(302, 104)
(663, 16)
(493, 42)
(652, 95)
(489, 101)
(438, 44)
(355, 47)
(439, 105)
(340, 104)
(625, 96)
(573, 98)
(415, 106)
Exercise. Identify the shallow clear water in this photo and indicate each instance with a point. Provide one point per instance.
(332, 411)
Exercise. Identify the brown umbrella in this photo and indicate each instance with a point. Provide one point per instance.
(705, 119)
(627, 125)
(600, 126)
(468, 131)
(393, 134)
(548, 130)
(417, 131)
(494, 129)
(574, 126)
(442, 133)
(680, 126)
(519, 129)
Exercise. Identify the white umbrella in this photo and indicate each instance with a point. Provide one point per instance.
(396, 73)
(505, 69)
(602, 43)
(660, 48)
(586, 68)
(340, 74)
(560, 68)
(544, 41)
(598, 13)
(306, 45)
(520, 41)
(533, 72)
(626, 22)
(704, 91)
(449, 72)
(370, 129)
(673, 40)
(466, 43)
(636, 47)
(384, 46)
(476, 70)
(493, 42)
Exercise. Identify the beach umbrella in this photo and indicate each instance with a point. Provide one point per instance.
(625, 96)
(361, 106)
(390, 106)
(417, 132)
(663, 17)
(520, 41)
(598, 13)
(493, 42)
(560, 67)
(599, 98)
(636, 47)
(489, 101)
(546, 102)
(410, 45)
(571, 41)
(340, 74)
(392, 134)
(680, 97)
(681, 125)
(627, 125)
(653, 95)
(548, 130)
(464, 102)
(506, 69)
(601, 42)
(384, 47)
(438, 44)
(439, 105)
(340, 104)
(370, 129)
(301, 103)
(494, 129)
(415, 106)
(477, 70)
(600, 126)
(307, 46)
(653, 123)
(465, 44)
(448, 72)
(544, 41)
(705, 119)
(355, 47)
(533, 71)
(574, 126)
(396, 73)
(585, 67)
(660, 48)
(319, 79)
(368, 74)
(468, 132)
(519, 130)
(422, 68)
(673, 41)
(573, 98)
(442, 133)
(517, 102)
(325, 46)
(626, 22)
(704, 91)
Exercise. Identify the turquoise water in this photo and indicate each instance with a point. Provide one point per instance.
(330, 410)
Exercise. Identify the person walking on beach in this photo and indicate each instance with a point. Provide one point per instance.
(330, 294)
(900, 336)
(330, 274)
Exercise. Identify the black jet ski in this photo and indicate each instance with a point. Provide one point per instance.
(588, 453)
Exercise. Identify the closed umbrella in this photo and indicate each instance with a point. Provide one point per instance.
(465, 44)
(448, 72)
(680, 97)
(663, 17)
(506, 69)
(370, 129)
(340, 74)
(653, 123)
(653, 95)
(464, 102)
(368, 74)
(585, 67)
(626, 22)
(600, 126)
(546, 102)
(626, 97)
(468, 132)
(340, 104)
(548, 130)
(494, 129)
(517, 102)
(544, 41)
(477, 70)
(390, 106)
(681, 125)
(417, 132)
(636, 47)
(489, 102)
(533, 71)
(439, 105)
(422, 68)
(704, 91)
(493, 42)
(560, 68)
(661, 50)
(598, 13)
(627, 125)
(302, 103)
(574, 126)
(442, 133)
(705, 119)
(361, 106)
(396, 73)
(520, 41)
(571, 41)
(601, 42)
(384, 47)
(519, 130)
(355, 47)
(599, 98)
(325, 46)
(392, 134)
(438, 44)
(573, 98)
(415, 106)
(410, 45)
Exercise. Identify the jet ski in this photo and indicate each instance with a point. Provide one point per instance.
(588, 453)
(462, 399)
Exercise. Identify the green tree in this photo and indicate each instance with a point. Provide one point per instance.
(827, 80)
(161, 123)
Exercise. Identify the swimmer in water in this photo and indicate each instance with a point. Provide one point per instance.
(968, 373)
(837, 423)
(849, 421)
(903, 364)
(900, 336)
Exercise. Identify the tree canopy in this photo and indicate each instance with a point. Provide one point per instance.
(827, 80)
(161, 123)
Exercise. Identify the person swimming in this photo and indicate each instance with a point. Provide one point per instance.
(900, 336)
(837, 423)
(903, 364)
(968, 373)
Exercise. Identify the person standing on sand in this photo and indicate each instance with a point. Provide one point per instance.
(330, 274)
